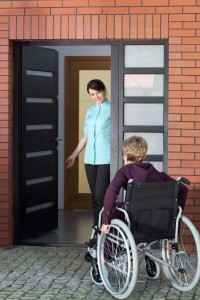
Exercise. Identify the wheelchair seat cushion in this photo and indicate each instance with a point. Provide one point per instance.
(152, 208)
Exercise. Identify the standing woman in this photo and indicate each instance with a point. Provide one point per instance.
(96, 138)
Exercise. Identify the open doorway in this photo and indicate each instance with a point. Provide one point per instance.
(78, 72)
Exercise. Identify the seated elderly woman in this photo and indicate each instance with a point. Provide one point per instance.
(134, 151)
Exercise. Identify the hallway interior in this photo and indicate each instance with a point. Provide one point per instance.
(74, 228)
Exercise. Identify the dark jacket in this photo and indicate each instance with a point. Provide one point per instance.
(141, 172)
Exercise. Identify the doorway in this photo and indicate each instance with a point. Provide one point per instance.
(78, 72)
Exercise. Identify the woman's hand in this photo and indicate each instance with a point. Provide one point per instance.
(69, 162)
(71, 159)
(105, 228)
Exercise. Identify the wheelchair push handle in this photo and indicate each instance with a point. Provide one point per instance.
(184, 180)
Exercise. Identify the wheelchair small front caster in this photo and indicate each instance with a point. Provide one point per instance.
(88, 257)
(152, 268)
(95, 276)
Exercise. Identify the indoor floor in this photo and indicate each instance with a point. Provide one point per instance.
(74, 228)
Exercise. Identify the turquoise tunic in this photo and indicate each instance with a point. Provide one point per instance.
(97, 128)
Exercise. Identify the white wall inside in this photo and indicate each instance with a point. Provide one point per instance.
(69, 51)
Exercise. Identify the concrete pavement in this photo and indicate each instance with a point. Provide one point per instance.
(59, 273)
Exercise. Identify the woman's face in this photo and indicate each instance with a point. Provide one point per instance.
(97, 96)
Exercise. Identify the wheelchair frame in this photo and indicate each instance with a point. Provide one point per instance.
(114, 259)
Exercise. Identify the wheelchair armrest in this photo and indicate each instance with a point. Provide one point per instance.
(126, 216)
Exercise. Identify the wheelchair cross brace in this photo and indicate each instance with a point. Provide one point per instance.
(162, 262)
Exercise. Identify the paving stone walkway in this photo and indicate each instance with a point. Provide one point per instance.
(59, 273)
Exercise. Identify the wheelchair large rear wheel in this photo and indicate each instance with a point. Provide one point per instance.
(118, 260)
(184, 257)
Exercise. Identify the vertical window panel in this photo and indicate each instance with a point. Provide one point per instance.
(144, 78)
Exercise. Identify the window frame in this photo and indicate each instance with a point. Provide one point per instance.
(164, 100)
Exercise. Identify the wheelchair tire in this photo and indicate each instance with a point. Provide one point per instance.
(95, 278)
(118, 260)
(152, 268)
(184, 258)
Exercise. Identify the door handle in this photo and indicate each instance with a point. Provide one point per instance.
(55, 139)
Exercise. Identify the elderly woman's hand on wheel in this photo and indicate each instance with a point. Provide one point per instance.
(105, 228)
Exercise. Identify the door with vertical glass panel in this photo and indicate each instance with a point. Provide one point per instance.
(143, 97)
(38, 142)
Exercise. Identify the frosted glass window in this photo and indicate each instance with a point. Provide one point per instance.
(39, 73)
(143, 114)
(143, 85)
(39, 127)
(39, 153)
(144, 56)
(39, 207)
(39, 180)
(39, 100)
(154, 140)
(158, 165)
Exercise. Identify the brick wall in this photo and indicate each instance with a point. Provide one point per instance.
(175, 20)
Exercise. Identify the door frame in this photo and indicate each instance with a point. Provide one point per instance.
(17, 84)
(115, 80)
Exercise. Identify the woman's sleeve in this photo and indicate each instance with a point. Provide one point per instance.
(112, 191)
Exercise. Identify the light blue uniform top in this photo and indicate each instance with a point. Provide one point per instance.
(97, 128)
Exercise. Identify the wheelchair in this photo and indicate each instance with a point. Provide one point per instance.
(153, 230)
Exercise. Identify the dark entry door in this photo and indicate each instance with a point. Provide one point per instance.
(37, 143)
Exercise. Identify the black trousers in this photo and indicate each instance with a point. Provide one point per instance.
(98, 177)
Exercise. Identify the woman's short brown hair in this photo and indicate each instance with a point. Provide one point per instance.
(135, 148)
(97, 85)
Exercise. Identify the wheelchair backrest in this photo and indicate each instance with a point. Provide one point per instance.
(152, 208)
